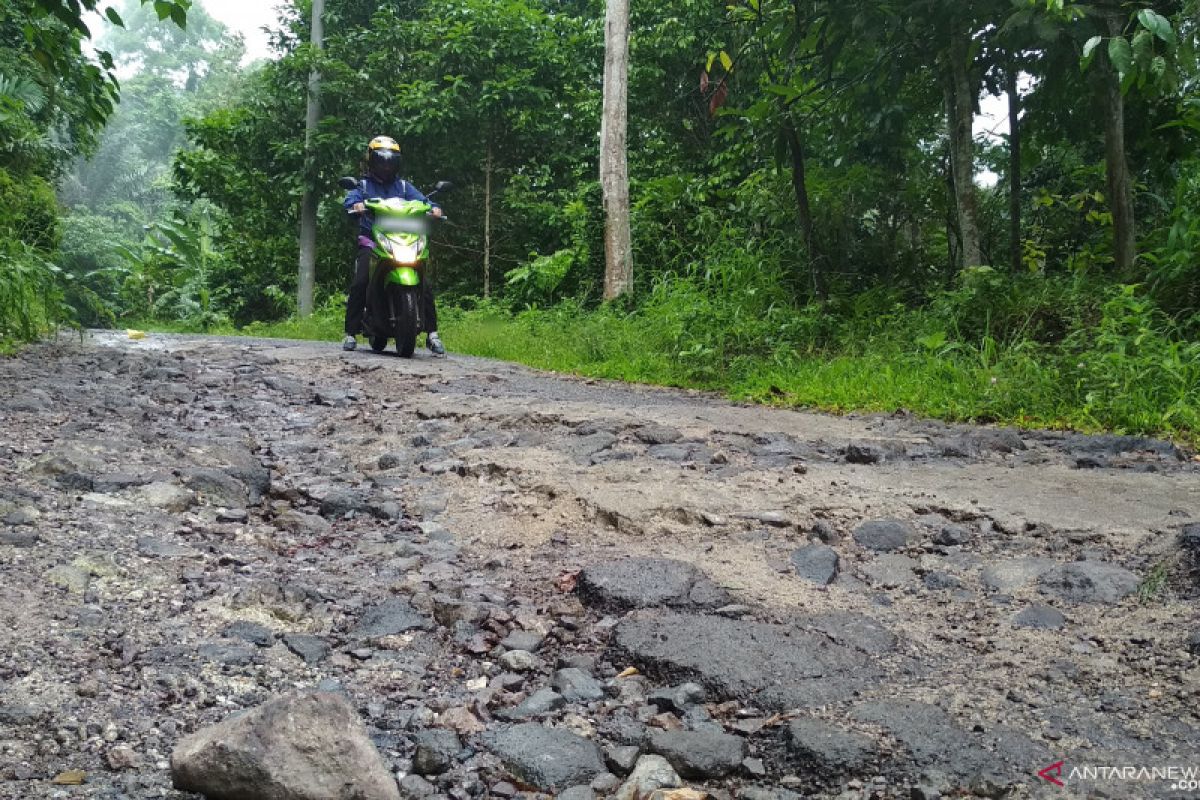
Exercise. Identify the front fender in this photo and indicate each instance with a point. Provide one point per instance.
(405, 276)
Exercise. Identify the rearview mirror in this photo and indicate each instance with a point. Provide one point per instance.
(348, 183)
(443, 186)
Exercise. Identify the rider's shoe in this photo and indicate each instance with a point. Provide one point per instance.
(435, 344)
(349, 343)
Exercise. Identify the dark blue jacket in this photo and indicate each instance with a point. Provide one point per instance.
(369, 189)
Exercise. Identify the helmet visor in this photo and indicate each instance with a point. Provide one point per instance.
(384, 164)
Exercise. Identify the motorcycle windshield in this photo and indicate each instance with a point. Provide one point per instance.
(416, 225)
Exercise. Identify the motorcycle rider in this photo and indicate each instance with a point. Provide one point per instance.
(382, 181)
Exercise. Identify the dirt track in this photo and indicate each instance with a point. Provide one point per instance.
(1031, 600)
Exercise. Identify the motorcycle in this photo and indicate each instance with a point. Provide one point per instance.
(399, 245)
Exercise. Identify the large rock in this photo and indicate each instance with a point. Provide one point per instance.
(933, 739)
(309, 746)
(390, 618)
(546, 757)
(699, 754)
(828, 749)
(778, 666)
(1015, 573)
(817, 563)
(217, 488)
(648, 583)
(577, 686)
(650, 774)
(1089, 582)
(884, 535)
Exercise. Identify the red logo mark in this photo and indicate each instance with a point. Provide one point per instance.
(1053, 773)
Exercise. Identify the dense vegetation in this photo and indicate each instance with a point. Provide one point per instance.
(811, 222)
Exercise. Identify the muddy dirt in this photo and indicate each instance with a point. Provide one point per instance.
(855, 607)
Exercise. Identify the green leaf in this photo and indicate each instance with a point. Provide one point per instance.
(726, 61)
(1120, 55)
(1157, 24)
(1089, 51)
(1143, 49)
(114, 17)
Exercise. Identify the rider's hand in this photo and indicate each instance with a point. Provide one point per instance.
(437, 212)
(358, 208)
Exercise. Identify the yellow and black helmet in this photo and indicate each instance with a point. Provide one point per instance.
(383, 159)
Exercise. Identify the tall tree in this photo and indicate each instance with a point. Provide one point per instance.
(308, 203)
(614, 163)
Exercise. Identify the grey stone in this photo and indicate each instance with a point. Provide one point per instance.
(268, 753)
(577, 686)
(543, 701)
(1193, 643)
(648, 582)
(1040, 616)
(827, 748)
(24, 515)
(448, 610)
(577, 793)
(622, 758)
(217, 488)
(546, 757)
(236, 515)
(650, 774)
(864, 453)
(759, 793)
(779, 666)
(851, 629)
(585, 446)
(227, 653)
(529, 641)
(952, 535)
(1089, 582)
(884, 534)
(677, 699)
(159, 548)
(414, 786)
(71, 578)
(436, 751)
(251, 632)
(313, 649)
(389, 461)
(14, 711)
(166, 496)
(817, 563)
(933, 739)
(890, 570)
(1009, 576)
(519, 661)
(699, 754)
(940, 581)
(654, 433)
(389, 618)
(22, 538)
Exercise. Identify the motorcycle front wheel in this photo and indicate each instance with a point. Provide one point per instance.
(405, 317)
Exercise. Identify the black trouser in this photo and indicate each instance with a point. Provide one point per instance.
(357, 301)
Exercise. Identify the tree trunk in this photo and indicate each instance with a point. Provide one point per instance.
(1016, 262)
(804, 209)
(614, 165)
(308, 203)
(960, 118)
(1120, 186)
(487, 223)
